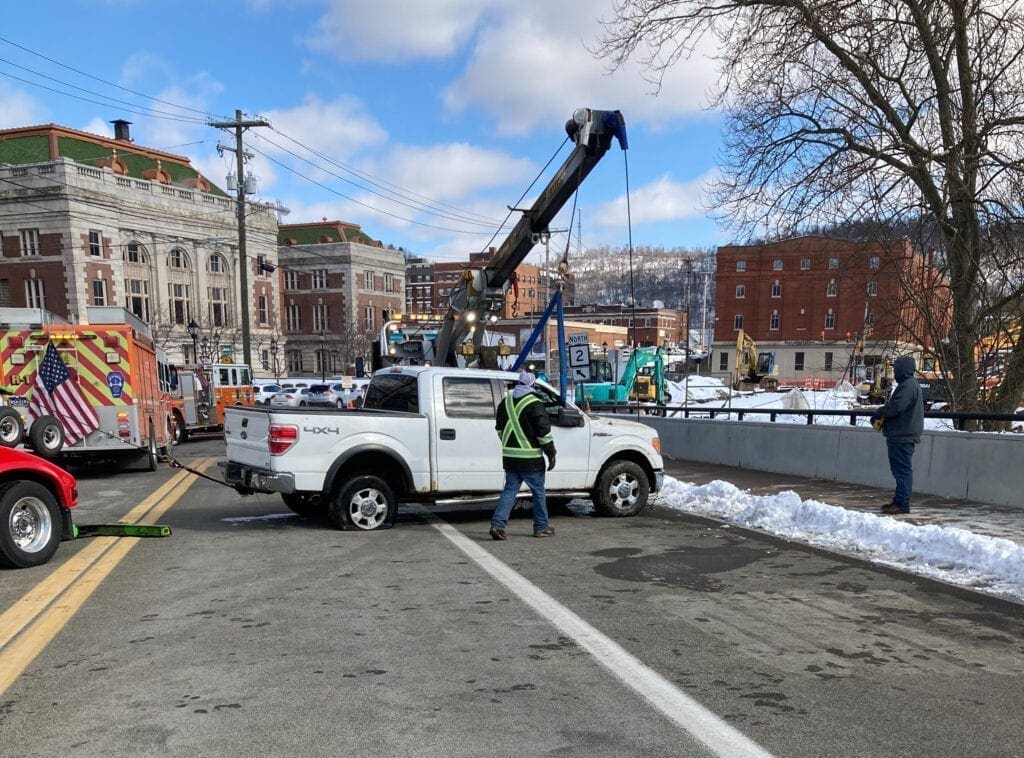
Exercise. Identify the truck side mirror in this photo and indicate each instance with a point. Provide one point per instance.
(569, 417)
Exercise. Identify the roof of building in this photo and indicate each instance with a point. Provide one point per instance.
(324, 232)
(47, 142)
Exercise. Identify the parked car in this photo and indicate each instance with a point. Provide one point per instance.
(263, 392)
(290, 398)
(328, 395)
(36, 498)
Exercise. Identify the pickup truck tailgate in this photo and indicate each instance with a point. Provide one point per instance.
(245, 434)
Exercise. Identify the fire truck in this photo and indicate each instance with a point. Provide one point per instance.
(114, 362)
(199, 393)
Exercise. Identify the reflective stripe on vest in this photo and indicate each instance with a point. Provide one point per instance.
(514, 442)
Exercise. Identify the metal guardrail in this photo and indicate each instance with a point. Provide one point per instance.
(959, 419)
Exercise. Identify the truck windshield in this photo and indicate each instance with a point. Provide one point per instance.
(392, 392)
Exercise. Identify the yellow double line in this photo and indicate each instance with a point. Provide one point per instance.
(29, 625)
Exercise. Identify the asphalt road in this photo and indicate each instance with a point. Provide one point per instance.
(250, 632)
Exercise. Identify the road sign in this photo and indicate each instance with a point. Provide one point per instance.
(579, 355)
(578, 339)
(580, 373)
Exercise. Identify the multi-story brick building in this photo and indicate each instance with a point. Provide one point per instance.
(661, 327)
(89, 220)
(339, 287)
(823, 305)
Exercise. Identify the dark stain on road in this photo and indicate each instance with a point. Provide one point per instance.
(692, 568)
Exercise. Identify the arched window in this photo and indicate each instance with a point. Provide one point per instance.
(134, 252)
(216, 264)
(178, 259)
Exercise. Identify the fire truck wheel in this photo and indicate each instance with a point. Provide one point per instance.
(46, 436)
(153, 459)
(29, 524)
(12, 428)
(180, 431)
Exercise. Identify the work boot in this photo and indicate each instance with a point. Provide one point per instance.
(892, 509)
(549, 532)
(497, 534)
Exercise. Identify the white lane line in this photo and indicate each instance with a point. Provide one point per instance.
(681, 709)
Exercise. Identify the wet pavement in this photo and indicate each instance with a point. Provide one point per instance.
(981, 518)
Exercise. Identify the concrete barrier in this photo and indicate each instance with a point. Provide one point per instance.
(987, 468)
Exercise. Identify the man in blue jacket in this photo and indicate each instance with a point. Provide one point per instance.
(525, 431)
(903, 422)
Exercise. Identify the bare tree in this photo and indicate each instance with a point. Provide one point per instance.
(903, 112)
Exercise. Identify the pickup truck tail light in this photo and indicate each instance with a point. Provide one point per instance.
(281, 438)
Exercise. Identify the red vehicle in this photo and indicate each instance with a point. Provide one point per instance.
(36, 498)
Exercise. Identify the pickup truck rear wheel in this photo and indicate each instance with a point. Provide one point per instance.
(366, 502)
(622, 490)
(29, 524)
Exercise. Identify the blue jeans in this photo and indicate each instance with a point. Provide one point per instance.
(901, 456)
(513, 480)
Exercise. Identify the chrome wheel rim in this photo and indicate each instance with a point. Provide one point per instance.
(368, 508)
(29, 524)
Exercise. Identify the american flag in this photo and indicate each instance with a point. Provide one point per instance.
(54, 393)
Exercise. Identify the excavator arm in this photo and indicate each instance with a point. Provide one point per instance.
(482, 291)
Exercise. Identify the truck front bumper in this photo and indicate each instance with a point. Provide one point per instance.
(248, 479)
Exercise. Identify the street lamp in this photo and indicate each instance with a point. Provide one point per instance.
(204, 349)
(323, 357)
(193, 332)
(273, 355)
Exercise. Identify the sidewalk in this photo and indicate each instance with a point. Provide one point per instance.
(980, 518)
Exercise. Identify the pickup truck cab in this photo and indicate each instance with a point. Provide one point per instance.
(427, 434)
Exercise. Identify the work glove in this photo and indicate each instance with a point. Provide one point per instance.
(551, 461)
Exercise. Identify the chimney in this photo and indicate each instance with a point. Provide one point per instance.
(121, 131)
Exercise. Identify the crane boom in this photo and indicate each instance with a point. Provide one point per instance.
(482, 291)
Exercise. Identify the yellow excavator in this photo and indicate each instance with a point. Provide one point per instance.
(753, 367)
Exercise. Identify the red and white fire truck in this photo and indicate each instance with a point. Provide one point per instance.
(113, 361)
(200, 393)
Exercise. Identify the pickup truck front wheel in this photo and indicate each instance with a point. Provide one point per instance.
(366, 502)
(622, 490)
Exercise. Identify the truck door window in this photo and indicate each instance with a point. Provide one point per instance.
(392, 392)
(467, 397)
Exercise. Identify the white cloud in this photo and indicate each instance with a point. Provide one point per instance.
(661, 200)
(339, 128)
(99, 126)
(396, 30)
(20, 108)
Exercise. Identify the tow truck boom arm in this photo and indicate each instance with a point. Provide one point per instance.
(482, 291)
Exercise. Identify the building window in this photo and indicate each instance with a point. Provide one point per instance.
(99, 291)
(737, 322)
(741, 265)
(261, 309)
(218, 306)
(5, 293)
(293, 359)
(828, 361)
(741, 291)
(292, 318)
(216, 264)
(777, 289)
(723, 361)
(95, 243)
(874, 262)
(805, 264)
(368, 280)
(777, 264)
(833, 263)
(134, 253)
(178, 259)
(798, 361)
(34, 293)
(832, 288)
(291, 280)
(872, 289)
(29, 242)
(320, 279)
(389, 282)
(830, 319)
(320, 321)
(137, 297)
(368, 317)
(180, 303)
(869, 318)
(773, 322)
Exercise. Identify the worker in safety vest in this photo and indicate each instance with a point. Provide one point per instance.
(525, 434)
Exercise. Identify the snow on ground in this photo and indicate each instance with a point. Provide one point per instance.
(948, 554)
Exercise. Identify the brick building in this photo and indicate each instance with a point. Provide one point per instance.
(661, 327)
(814, 301)
(338, 288)
(90, 220)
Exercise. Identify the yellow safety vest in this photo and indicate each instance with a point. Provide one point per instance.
(514, 441)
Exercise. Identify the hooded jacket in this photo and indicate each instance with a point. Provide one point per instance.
(522, 424)
(904, 410)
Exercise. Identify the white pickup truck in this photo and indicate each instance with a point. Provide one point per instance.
(427, 434)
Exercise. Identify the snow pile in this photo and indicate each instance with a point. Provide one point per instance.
(948, 554)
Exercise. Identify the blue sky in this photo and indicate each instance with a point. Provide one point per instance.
(455, 103)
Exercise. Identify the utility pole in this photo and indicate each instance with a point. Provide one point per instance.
(240, 125)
